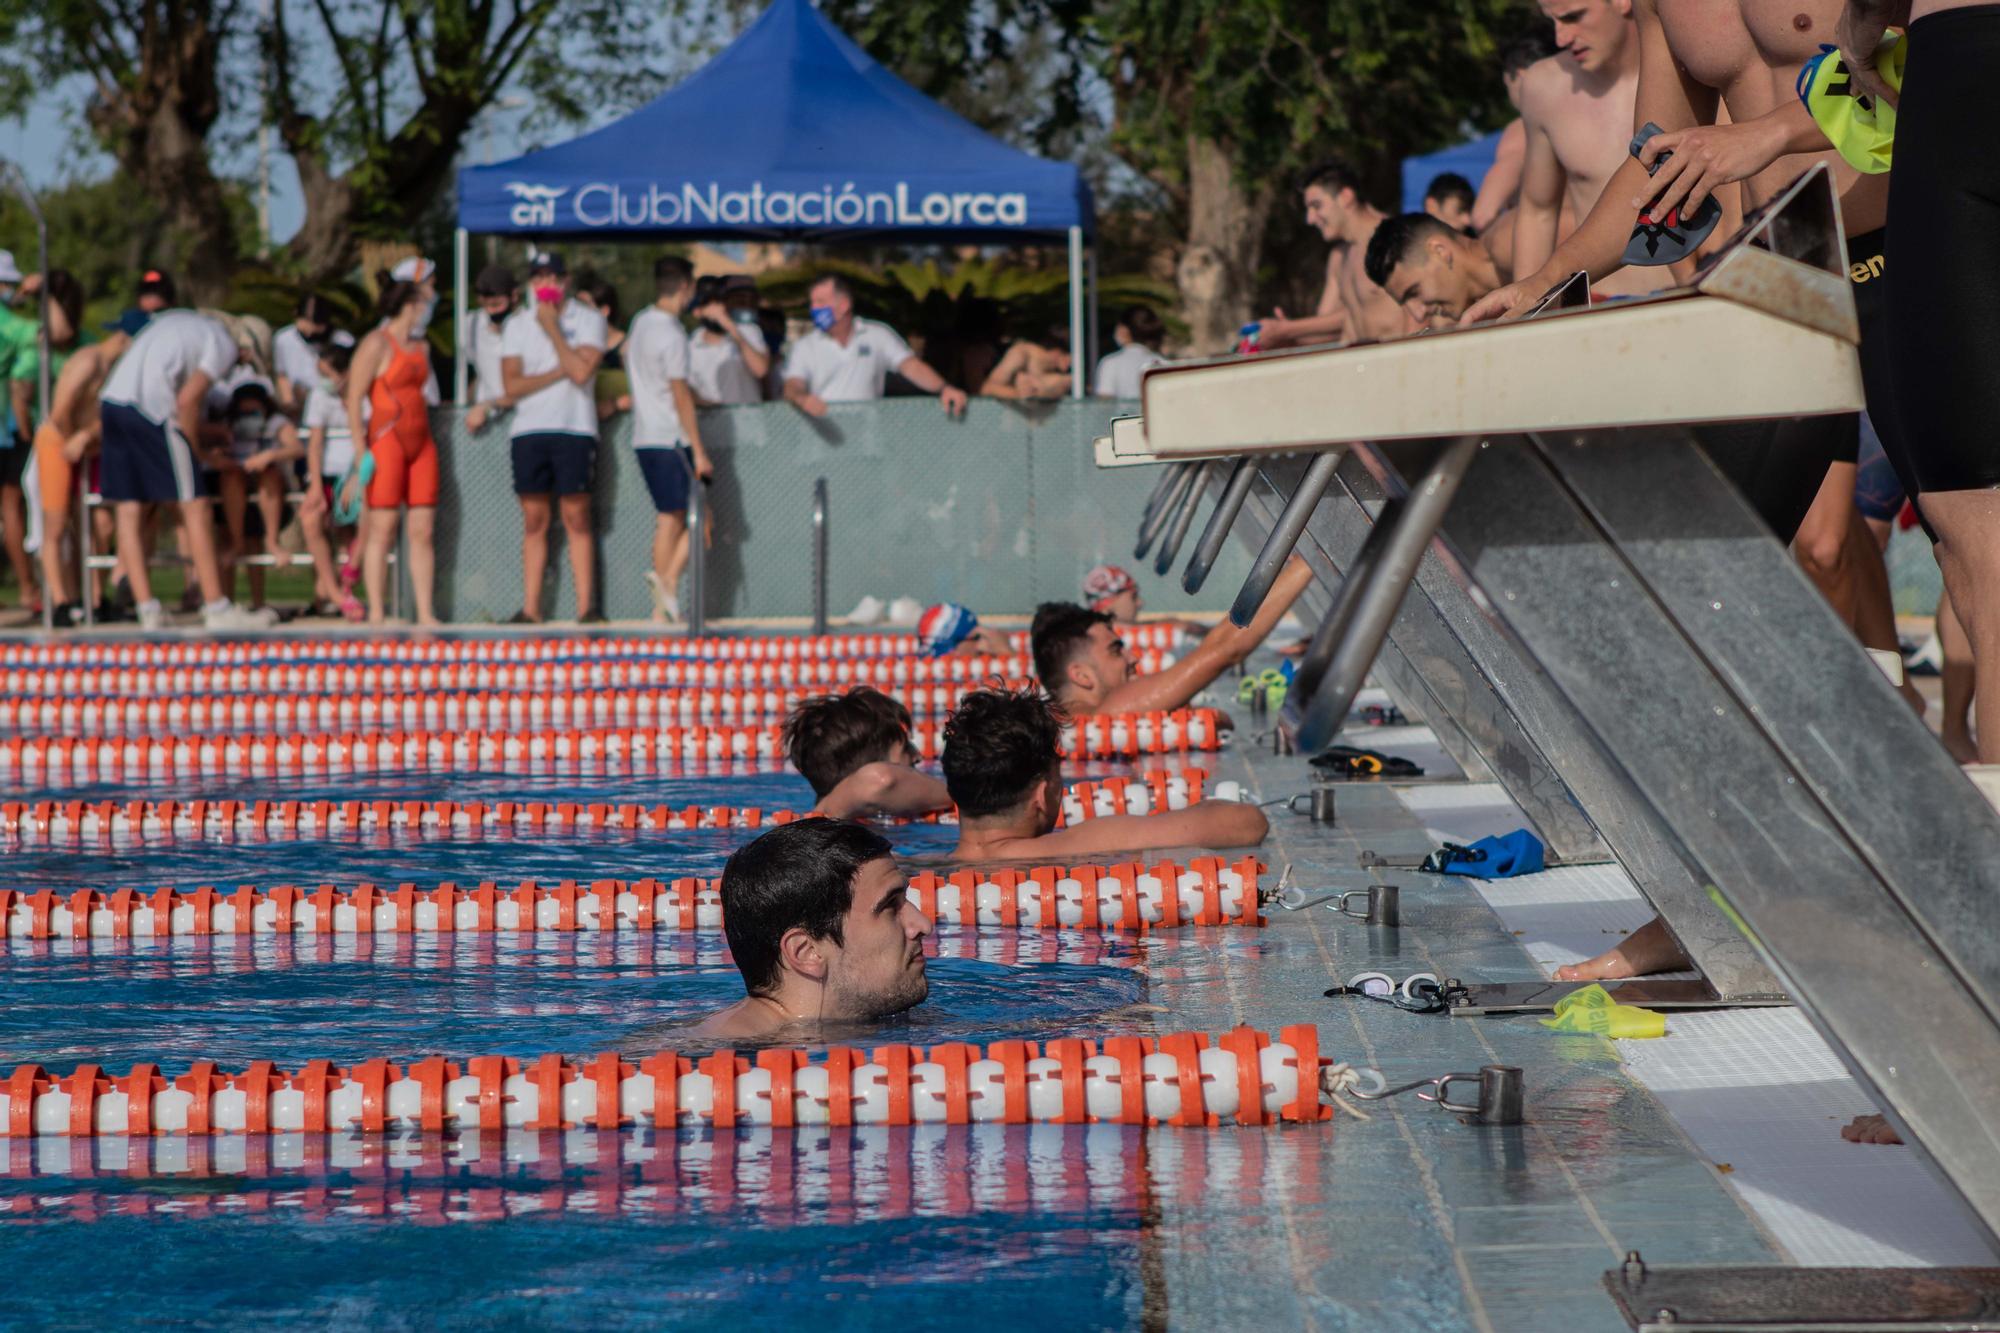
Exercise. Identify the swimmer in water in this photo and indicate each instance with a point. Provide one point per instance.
(1081, 660)
(822, 927)
(855, 750)
(1003, 766)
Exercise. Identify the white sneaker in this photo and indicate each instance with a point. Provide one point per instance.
(152, 615)
(235, 618)
(867, 611)
(662, 597)
(905, 612)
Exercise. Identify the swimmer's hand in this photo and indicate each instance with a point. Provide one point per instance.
(1710, 156)
(1508, 303)
(1858, 34)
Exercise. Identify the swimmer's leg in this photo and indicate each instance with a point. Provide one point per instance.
(1821, 544)
(1955, 727)
(1968, 551)
(1650, 948)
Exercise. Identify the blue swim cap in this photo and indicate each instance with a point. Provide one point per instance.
(944, 627)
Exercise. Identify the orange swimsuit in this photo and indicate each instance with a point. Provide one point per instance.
(399, 430)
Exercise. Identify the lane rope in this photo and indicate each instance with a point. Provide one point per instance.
(1185, 1079)
(1131, 896)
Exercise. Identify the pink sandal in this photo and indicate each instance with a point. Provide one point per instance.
(352, 608)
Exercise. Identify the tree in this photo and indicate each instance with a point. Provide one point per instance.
(1220, 102)
(409, 79)
(157, 90)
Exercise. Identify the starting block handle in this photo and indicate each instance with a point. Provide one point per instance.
(1241, 478)
(1285, 534)
(1340, 616)
(1168, 476)
(1177, 531)
(1182, 475)
(1379, 595)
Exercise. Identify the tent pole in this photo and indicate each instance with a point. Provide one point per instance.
(1076, 312)
(461, 256)
(1093, 341)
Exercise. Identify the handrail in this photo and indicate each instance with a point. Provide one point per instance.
(697, 523)
(819, 555)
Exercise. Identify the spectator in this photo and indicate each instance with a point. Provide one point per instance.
(480, 331)
(19, 336)
(151, 411)
(261, 442)
(1449, 199)
(1031, 370)
(549, 358)
(390, 370)
(665, 433)
(846, 359)
(329, 456)
(1138, 335)
(295, 353)
(727, 355)
(156, 292)
(67, 432)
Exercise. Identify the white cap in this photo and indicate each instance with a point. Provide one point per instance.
(414, 269)
(9, 270)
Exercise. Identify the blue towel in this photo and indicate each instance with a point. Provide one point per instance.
(1510, 854)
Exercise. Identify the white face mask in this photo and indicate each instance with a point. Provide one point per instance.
(423, 320)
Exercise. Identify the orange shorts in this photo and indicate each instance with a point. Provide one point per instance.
(406, 470)
(57, 473)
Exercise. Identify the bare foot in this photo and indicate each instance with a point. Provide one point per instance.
(1960, 746)
(1650, 948)
(1869, 1129)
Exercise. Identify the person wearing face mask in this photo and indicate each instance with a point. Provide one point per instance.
(295, 353)
(423, 273)
(19, 337)
(481, 330)
(261, 442)
(385, 389)
(846, 359)
(727, 355)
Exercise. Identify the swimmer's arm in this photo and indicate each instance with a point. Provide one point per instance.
(1542, 182)
(884, 789)
(1668, 97)
(1503, 178)
(1708, 157)
(1207, 824)
(1000, 384)
(1328, 324)
(1221, 648)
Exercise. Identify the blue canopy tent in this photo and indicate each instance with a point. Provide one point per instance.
(1471, 160)
(791, 133)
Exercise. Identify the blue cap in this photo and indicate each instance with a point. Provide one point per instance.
(944, 627)
(130, 322)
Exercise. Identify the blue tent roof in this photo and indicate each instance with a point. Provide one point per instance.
(1471, 160)
(793, 132)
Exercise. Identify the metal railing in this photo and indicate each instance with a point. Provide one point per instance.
(819, 555)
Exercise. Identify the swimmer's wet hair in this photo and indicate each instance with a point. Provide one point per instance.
(829, 736)
(997, 746)
(1393, 241)
(799, 875)
(1058, 634)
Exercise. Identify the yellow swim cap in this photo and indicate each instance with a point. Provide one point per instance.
(1861, 128)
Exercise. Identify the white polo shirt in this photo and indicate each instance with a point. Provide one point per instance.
(294, 358)
(656, 354)
(481, 339)
(172, 347)
(1118, 374)
(324, 409)
(565, 407)
(716, 371)
(850, 374)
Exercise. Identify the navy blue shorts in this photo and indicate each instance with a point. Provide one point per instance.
(669, 473)
(554, 464)
(144, 460)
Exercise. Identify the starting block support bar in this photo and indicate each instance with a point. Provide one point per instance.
(1284, 538)
(1241, 478)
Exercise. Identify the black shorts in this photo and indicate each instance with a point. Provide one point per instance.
(1778, 465)
(144, 460)
(1943, 314)
(669, 473)
(13, 462)
(554, 463)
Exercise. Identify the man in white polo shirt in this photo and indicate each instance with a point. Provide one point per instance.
(845, 359)
(1138, 336)
(548, 360)
(665, 433)
(151, 410)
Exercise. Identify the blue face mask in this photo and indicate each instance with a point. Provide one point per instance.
(823, 318)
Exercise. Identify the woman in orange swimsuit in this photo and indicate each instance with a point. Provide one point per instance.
(390, 369)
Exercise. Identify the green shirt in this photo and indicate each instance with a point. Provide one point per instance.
(18, 337)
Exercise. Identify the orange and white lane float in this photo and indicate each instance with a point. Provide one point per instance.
(66, 760)
(302, 648)
(884, 673)
(507, 710)
(1164, 895)
(855, 1173)
(1243, 1077)
(71, 823)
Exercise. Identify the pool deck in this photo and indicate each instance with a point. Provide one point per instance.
(1417, 1218)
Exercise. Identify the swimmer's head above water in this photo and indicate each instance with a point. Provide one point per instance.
(1079, 655)
(821, 925)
